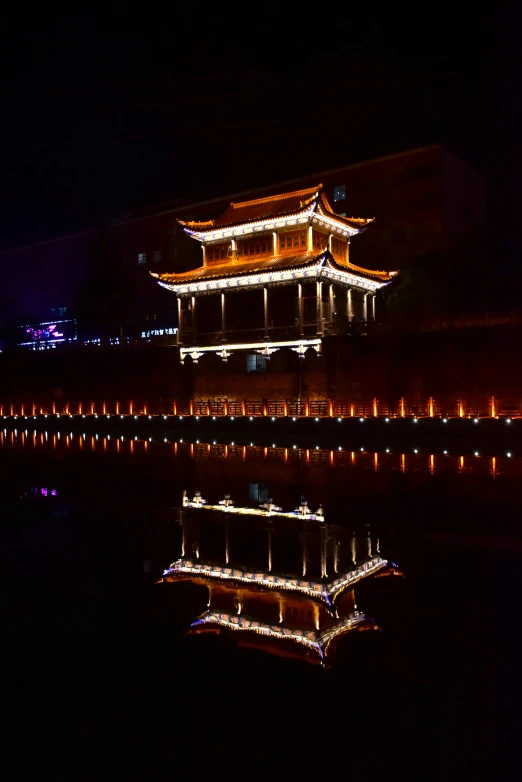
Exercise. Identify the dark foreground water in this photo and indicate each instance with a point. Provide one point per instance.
(104, 678)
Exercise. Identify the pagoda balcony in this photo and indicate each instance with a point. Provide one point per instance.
(278, 333)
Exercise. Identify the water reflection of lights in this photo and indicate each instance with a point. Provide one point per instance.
(326, 591)
(318, 642)
(335, 457)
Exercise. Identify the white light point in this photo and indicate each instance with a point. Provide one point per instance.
(508, 454)
(476, 453)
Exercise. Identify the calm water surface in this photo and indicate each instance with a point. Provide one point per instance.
(110, 668)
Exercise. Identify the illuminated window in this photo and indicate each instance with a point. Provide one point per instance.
(339, 193)
(216, 253)
(255, 362)
(156, 256)
(261, 245)
(142, 258)
(341, 214)
(319, 241)
(294, 240)
(339, 248)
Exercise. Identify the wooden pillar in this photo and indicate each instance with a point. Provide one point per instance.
(204, 255)
(300, 308)
(179, 335)
(373, 306)
(227, 543)
(223, 316)
(305, 551)
(265, 307)
(365, 302)
(318, 303)
(347, 256)
(310, 240)
(349, 304)
(329, 242)
(270, 549)
(324, 550)
(193, 302)
(331, 302)
(354, 549)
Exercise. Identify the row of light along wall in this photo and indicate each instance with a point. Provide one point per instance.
(284, 451)
(240, 410)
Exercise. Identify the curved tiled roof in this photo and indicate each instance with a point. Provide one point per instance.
(282, 205)
(274, 263)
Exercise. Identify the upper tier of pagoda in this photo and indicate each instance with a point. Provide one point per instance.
(281, 238)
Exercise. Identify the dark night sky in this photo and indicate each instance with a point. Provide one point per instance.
(105, 113)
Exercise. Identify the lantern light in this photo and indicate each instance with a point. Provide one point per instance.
(508, 454)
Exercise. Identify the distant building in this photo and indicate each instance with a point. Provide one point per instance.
(423, 201)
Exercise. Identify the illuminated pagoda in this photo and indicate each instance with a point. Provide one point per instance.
(283, 582)
(286, 259)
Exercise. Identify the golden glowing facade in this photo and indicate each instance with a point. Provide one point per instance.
(292, 240)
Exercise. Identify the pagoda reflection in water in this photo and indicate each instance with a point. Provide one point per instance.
(280, 581)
